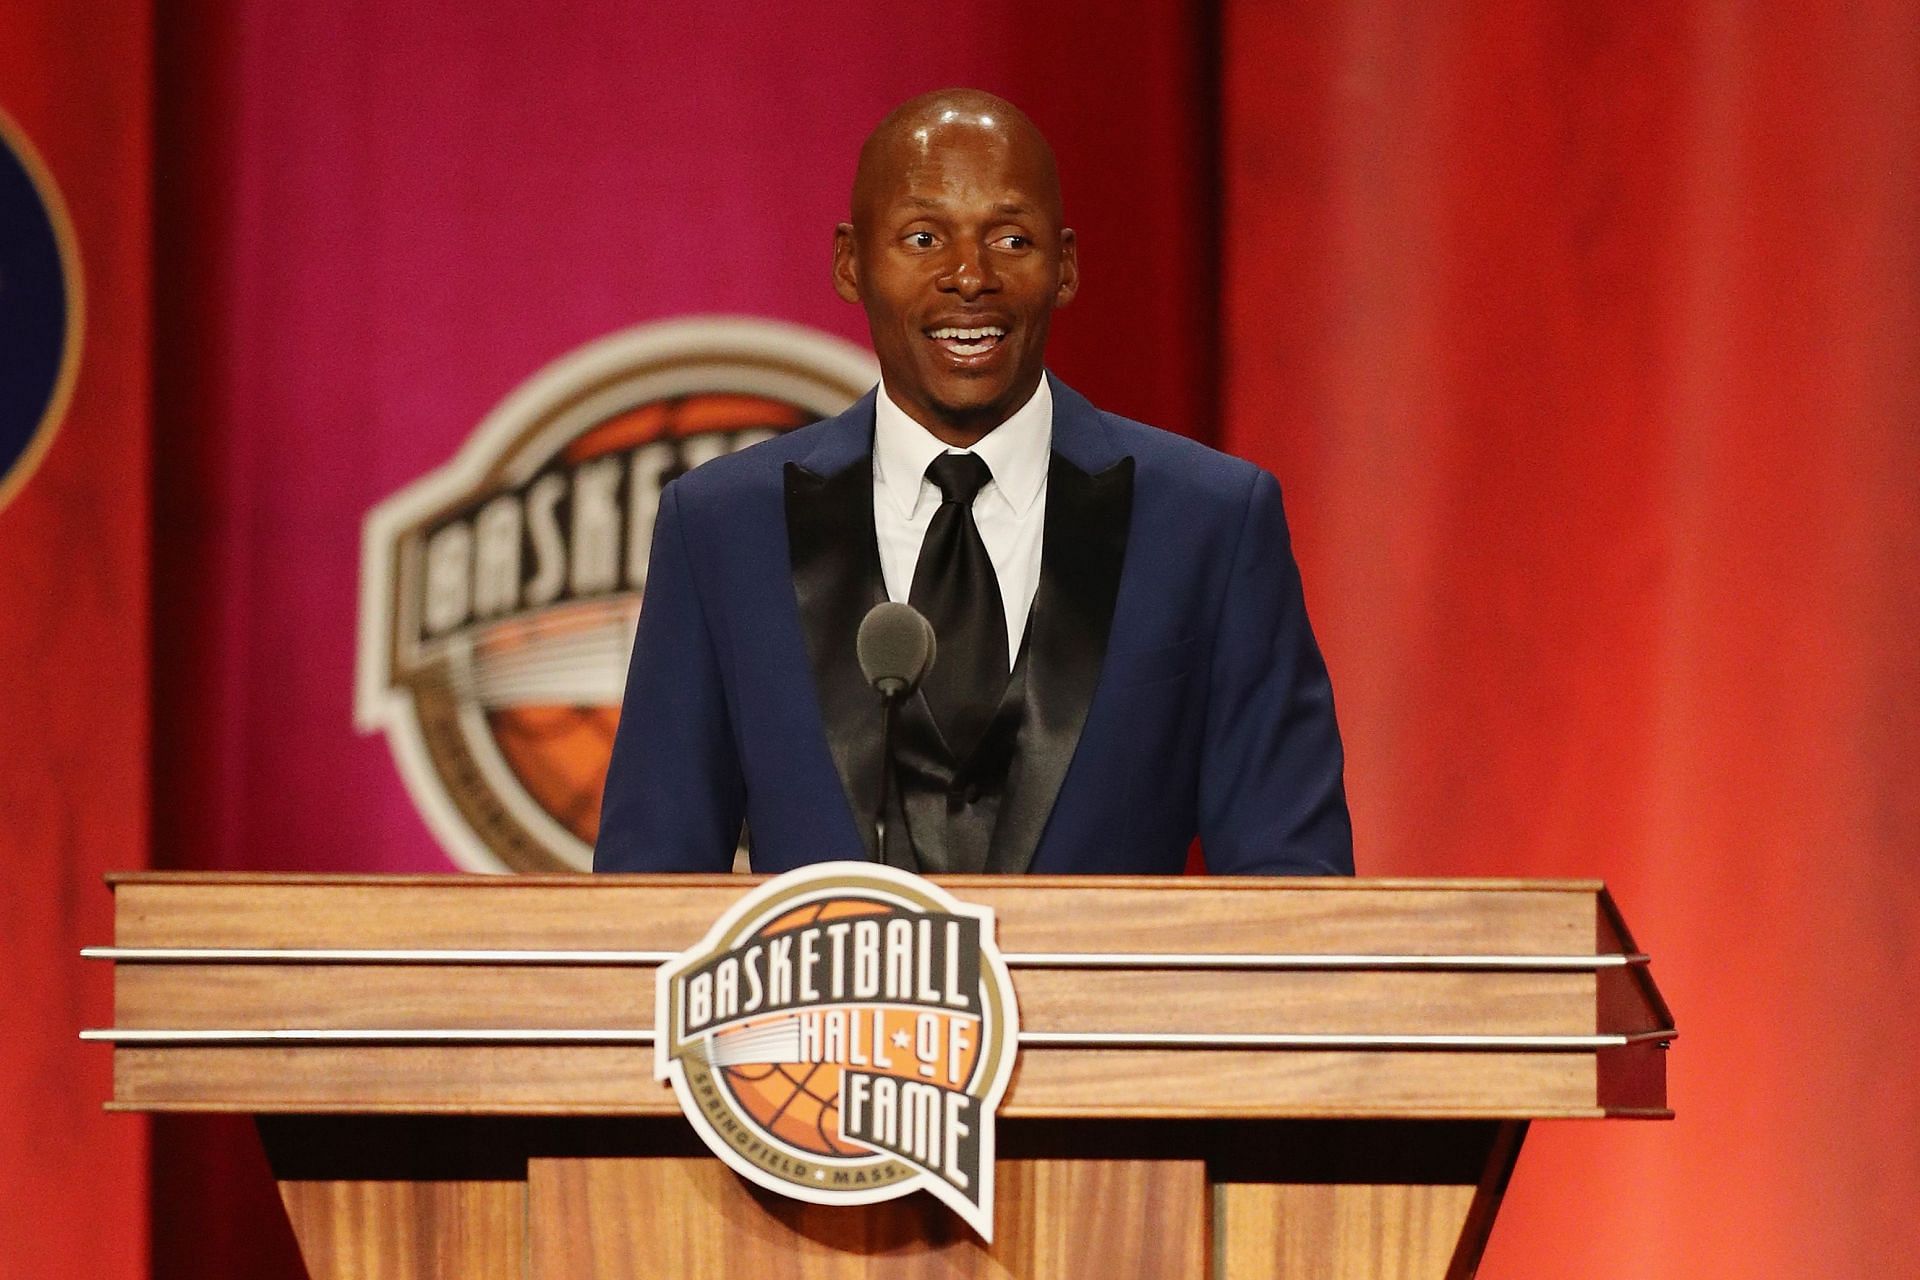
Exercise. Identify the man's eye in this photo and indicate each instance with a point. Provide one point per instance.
(920, 239)
(1016, 242)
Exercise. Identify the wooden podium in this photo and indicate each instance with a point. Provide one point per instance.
(1217, 1077)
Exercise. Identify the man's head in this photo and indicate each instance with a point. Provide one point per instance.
(957, 252)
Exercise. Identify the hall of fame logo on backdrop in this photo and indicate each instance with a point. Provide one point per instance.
(844, 1034)
(40, 309)
(499, 594)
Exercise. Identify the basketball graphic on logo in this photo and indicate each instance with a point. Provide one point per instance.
(843, 1034)
(800, 1103)
(792, 1089)
(500, 595)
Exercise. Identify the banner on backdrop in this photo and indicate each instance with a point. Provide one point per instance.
(499, 594)
(40, 309)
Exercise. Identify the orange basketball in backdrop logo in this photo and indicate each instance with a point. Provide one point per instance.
(558, 751)
(499, 595)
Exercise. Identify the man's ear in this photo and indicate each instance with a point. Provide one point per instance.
(1069, 267)
(846, 269)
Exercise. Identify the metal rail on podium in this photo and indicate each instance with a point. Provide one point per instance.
(454, 1075)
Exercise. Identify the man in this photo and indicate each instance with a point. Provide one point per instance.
(1123, 655)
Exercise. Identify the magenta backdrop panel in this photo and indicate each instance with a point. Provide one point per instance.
(375, 221)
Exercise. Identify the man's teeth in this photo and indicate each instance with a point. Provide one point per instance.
(970, 342)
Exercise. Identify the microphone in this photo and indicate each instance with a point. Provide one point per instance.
(896, 648)
(896, 651)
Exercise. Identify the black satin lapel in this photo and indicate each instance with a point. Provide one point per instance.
(836, 579)
(1080, 560)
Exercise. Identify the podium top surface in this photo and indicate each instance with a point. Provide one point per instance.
(1052, 913)
(1140, 997)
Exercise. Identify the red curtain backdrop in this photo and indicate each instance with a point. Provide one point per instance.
(74, 666)
(1585, 340)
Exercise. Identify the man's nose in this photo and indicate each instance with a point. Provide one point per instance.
(971, 273)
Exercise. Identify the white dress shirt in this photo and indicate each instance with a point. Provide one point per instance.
(1010, 509)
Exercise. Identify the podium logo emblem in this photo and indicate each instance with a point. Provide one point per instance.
(499, 593)
(843, 1035)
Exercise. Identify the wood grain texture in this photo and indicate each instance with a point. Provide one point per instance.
(1364, 1002)
(1495, 1174)
(1081, 913)
(1055, 1220)
(1341, 1232)
(400, 1230)
(1299, 1187)
(388, 996)
(1170, 1083)
(254, 996)
(1247, 1082)
(1086, 914)
(600, 1197)
(1425, 1218)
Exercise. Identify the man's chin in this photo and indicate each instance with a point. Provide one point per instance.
(970, 399)
(975, 415)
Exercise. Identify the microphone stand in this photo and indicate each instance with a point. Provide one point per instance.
(890, 701)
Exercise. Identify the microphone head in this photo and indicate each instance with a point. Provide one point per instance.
(895, 647)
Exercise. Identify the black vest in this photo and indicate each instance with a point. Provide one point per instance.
(944, 810)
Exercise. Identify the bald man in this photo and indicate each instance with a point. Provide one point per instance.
(1124, 655)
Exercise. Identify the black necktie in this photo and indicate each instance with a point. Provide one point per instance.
(955, 586)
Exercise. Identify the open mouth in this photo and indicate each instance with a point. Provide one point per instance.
(976, 341)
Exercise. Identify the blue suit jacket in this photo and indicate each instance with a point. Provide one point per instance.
(1173, 684)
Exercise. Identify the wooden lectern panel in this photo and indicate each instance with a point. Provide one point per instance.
(1342, 1232)
(1421, 1210)
(1033, 913)
(1224, 1078)
(221, 994)
(624, 1219)
(571, 1199)
(403, 1198)
(283, 959)
(1118, 1083)
(395, 1230)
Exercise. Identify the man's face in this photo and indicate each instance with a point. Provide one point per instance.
(958, 256)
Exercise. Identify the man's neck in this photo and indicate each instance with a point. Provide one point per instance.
(1017, 450)
(964, 430)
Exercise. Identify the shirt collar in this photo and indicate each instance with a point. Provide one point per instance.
(1016, 452)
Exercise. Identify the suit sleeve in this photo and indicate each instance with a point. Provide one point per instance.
(1272, 798)
(674, 795)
